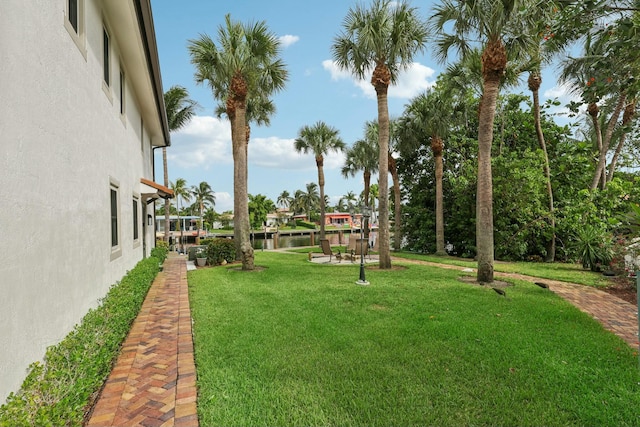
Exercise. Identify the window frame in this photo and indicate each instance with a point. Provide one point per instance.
(122, 95)
(138, 227)
(106, 57)
(77, 31)
(115, 219)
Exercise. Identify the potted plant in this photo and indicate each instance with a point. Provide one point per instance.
(201, 257)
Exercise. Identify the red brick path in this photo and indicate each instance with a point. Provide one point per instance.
(154, 380)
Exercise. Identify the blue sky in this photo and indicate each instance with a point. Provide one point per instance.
(316, 91)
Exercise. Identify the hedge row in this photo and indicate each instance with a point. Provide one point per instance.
(61, 390)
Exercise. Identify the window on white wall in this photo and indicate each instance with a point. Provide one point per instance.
(74, 22)
(136, 219)
(122, 92)
(106, 57)
(72, 14)
(114, 194)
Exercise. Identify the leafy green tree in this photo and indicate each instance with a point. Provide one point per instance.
(259, 207)
(204, 197)
(319, 139)
(245, 66)
(180, 110)
(383, 39)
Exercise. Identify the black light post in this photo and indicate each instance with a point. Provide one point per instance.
(366, 213)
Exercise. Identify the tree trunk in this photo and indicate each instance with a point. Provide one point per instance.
(494, 61)
(167, 203)
(320, 165)
(242, 228)
(366, 192)
(629, 113)
(551, 244)
(383, 180)
(603, 142)
(397, 228)
(437, 147)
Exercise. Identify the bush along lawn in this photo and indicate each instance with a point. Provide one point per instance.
(60, 390)
(297, 343)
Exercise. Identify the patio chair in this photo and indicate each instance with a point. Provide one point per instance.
(355, 249)
(326, 250)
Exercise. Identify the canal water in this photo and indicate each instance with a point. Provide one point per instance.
(294, 241)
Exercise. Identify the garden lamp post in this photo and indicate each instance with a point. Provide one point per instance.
(366, 213)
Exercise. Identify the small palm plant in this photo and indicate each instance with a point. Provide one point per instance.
(593, 247)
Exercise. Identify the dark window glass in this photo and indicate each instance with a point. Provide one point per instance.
(114, 217)
(105, 48)
(121, 92)
(73, 14)
(135, 219)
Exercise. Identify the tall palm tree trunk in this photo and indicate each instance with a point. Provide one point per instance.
(494, 60)
(320, 164)
(383, 179)
(366, 192)
(535, 80)
(397, 226)
(240, 192)
(167, 203)
(437, 147)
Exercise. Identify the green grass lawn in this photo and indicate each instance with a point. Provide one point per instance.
(301, 344)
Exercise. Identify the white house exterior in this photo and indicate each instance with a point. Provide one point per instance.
(81, 112)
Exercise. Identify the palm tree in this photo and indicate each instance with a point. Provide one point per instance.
(309, 200)
(383, 39)
(350, 199)
(284, 200)
(180, 110)
(245, 66)
(319, 139)
(488, 22)
(204, 197)
(181, 191)
(363, 156)
(428, 118)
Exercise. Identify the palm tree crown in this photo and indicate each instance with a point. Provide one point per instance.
(244, 67)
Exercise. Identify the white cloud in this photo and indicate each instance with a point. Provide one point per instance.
(287, 40)
(279, 153)
(203, 142)
(410, 83)
(224, 201)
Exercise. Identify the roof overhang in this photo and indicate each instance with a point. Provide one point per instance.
(151, 191)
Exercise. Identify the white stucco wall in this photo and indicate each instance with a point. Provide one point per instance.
(62, 141)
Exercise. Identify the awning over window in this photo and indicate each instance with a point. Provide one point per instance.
(151, 191)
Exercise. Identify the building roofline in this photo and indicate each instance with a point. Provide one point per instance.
(147, 31)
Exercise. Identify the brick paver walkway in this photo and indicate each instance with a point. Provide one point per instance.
(154, 380)
(615, 314)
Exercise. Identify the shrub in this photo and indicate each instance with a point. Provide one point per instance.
(160, 251)
(59, 391)
(221, 250)
(305, 224)
(592, 247)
